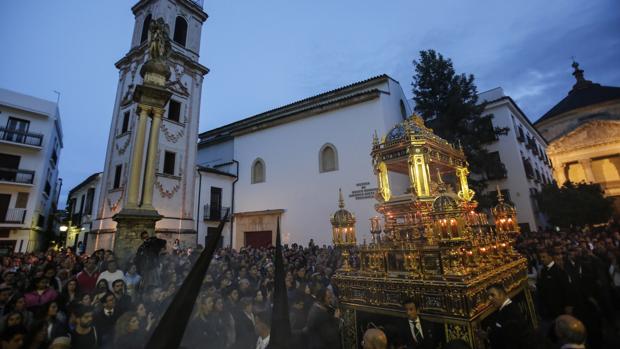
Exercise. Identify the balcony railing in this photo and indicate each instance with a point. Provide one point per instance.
(496, 171)
(16, 175)
(13, 215)
(215, 213)
(16, 136)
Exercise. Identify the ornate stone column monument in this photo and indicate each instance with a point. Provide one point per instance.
(151, 97)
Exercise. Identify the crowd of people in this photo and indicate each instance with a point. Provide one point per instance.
(61, 299)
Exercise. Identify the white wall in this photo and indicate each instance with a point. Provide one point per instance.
(293, 182)
(204, 189)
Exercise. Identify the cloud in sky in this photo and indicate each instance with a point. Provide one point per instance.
(263, 54)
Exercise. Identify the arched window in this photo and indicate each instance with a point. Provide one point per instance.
(328, 158)
(180, 31)
(258, 171)
(145, 28)
(403, 110)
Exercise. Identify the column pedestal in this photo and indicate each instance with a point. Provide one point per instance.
(130, 222)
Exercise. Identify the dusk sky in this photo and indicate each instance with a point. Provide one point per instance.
(264, 54)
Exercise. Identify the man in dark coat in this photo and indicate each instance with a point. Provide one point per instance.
(553, 289)
(508, 328)
(147, 260)
(105, 319)
(419, 333)
(244, 325)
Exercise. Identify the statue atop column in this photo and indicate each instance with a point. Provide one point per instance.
(159, 40)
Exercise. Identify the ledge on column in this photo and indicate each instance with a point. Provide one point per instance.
(138, 214)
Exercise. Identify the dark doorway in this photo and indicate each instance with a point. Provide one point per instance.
(4, 206)
(210, 232)
(258, 238)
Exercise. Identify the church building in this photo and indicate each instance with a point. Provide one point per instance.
(583, 131)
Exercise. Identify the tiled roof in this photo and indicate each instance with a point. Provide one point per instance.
(593, 94)
(292, 108)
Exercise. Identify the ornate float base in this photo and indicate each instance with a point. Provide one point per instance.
(461, 307)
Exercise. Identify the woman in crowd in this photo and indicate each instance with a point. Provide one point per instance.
(225, 323)
(128, 333)
(18, 304)
(203, 326)
(69, 294)
(42, 294)
(100, 292)
(55, 321)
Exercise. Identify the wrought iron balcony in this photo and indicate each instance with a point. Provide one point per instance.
(16, 175)
(16, 136)
(14, 215)
(215, 213)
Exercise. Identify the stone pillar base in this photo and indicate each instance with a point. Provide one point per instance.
(129, 224)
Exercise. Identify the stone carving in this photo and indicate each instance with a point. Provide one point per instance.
(121, 150)
(164, 192)
(169, 136)
(114, 205)
(587, 135)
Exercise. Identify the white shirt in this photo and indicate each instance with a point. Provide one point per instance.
(506, 302)
(262, 343)
(111, 277)
(416, 323)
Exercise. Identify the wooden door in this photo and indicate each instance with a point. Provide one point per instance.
(258, 238)
(4, 206)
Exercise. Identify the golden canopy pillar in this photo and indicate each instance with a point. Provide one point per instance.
(151, 97)
(343, 231)
(431, 244)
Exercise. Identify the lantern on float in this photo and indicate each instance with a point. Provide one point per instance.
(504, 214)
(343, 230)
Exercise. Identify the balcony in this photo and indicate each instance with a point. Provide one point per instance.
(13, 215)
(15, 175)
(215, 213)
(26, 138)
(496, 171)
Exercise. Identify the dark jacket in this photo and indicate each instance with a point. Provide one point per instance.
(244, 331)
(553, 291)
(432, 332)
(508, 328)
(322, 329)
(105, 325)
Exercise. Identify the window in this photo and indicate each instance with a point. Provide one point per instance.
(174, 111)
(486, 130)
(494, 167)
(16, 130)
(169, 158)
(90, 196)
(258, 171)
(54, 158)
(41, 221)
(403, 110)
(125, 126)
(328, 158)
(48, 188)
(117, 176)
(145, 28)
(180, 31)
(82, 202)
(520, 135)
(22, 200)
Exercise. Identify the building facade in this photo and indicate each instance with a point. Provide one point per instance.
(30, 145)
(175, 178)
(583, 131)
(517, 163)
(293, 160)
(81, 208)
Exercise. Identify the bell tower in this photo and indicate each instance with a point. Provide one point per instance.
(149, 171)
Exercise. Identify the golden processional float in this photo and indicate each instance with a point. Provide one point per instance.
(434, 246)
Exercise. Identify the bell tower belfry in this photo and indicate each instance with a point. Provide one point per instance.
(149, 171)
